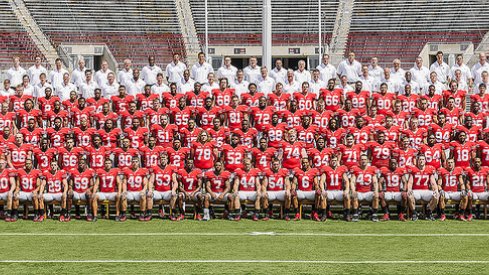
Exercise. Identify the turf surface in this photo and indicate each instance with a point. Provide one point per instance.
(245, 240)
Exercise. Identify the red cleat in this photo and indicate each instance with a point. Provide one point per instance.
(255, 217)
(330, 215)
(41, 218)
(123, 218)
(148, 218)
(181, 217)
(402, 218)
(297, 217)
(237, 218)
(462, 218)
(266, 218)
(287, 218)
(386, 217)
(161, 213)
(8, 219)
(173, 218)
(141, 218)
(470, 217)
(315, 217)
(198, 217)
(36, 218)
(61, 218)
(443, 217)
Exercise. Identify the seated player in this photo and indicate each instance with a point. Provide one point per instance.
(55, 180)
(364, 187)
(163, 187)
(305, 187)
(336, 184)
(451, 186)
(80, 188)
(218, 187)
(108, 187)
(190, 188)
(477, 186)
(249, 188)
(7, 189)
(422, 187)
(134, 188)
(28, 185)
(276, 188)
(392, 182)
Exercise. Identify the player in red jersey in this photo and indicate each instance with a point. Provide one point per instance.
(218, 188)
(360, 99)
(182, 113)
(190, 188)
(305, 99)
(477, 178)
(106, 114)
(278, 99)
(31, 133)
(18, 152)
(219, 133)
(131, 114)
(453, 115)
(191, 132)
(151, 153)
(222, 96)
(405, 154)
(121, 101)
(333, 98)
(27, 191)
(409, 100)
(57, 134)
(321, 116)
(7, 119)
(247, 134)
(263, 155)
(275, 132)
(46, 103)
(262, 114)
(145, 100)
(348, 115)
(293, 150)
(7, 189)
(80, 188)
(108, 187)
(207, 114)
(28, 112)
(69, 155)
(293, 116)
(459, 96)
(163, 187)
(43, 155)
(350, 152)
(336, 184)
(236, 113)
(56, 184)
(476, 115)
(97, 101)
(383, 100)
(171, 99)
(482, 97)
(364, 187)
(434, 152)
(177, 153)
(307, 133)
(422, 186)
(134, 188)
(197, 97)
(276, 187)
(462, 151)
(392, 184)
(57, 112)
(124, 154)
(204, 152)
(415, 133)
(137, 133)
(435, 101)
(81, 112)
(442, 130)
(97, 153)
(424, 114)
(84, 133)
(154, 114)
(251, 98)
(110, 134)
(233, 154)
(305, 187)
(71, 102)
(451, 186)
(164, 132)
(380, 151)
(321, 154)
(333, 134)
(249, 188)
(473, 131)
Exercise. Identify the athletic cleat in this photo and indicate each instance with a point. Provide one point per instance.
(402, 218)
(430, 217)
(386, 217)
(25, 217)
(244, 215)
(297, 217)
(315, 217)
(173, 218)
(237, 218)
(161, 213)
(198, 217)
(117, 218)
(266, 218)
(415, 217)
(89, 218)
(148, 218)
(61, 218)
(324, 218)
(443, 217)
(133, 215)
(255, 217)
(181, 217)
(206, 217)
(36, 218)
(287, 218)
(94, 219)
(470, 217)
(141, 218)
(375, 218)
(123, 218)
(77, 216)
(67, 218)
(462, 218)
(355, 218)
(41, 218)
(330, 214)
(8, 219)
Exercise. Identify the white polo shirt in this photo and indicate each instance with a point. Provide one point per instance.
(208, 88)
(316, 86)
(110, 90)
(34, 73)
(9, 92)
(63, 91)
(327, 71)
(186, 86)
(87, 89)
(240, 87)
(148, 74)
(368, 83)
(351, 70)
(135, 87)
(477, 70)
(159, 89)
(392, 85)
(398, 75)
(227, 72)
(39, 89)
(78, 76)
(442, 71)
(29, 90)
(293, 87)
(174, 72)
(464, 69)
(15, 75)
(420, 75)
(376, 73)
(439, 87)
(252, 74)
(415, 89)
(301, 77)
(280, 76)
(124, 76)
(266, 85)
(200, 72)
(101, 77)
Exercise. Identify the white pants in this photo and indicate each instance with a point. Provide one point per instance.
(482, 196)
(455, 196)
(423, 195)
(110, 196)
(216, 199)
(393, 196)
(276, 195)
(25, 196)
(365, 196)
(335, 195)
(247, 195)
(306, 195)
(133, 196)
(4, 196)
(158, 196)
(49, 197)
(79, 196)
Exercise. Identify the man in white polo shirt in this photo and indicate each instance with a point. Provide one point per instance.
(56, 75)
(150, 71)
(279, 73)
(35, 71)
(227, 70)
(292, 86)
(479, 67)
(174, 70)
(136, 85)
(63, 91)
(466, 74)
(266, 84)
(350, 68)
(316, 84)
(78, 74)
(392, 84)
(159, 87)
(326, 70)
(368, 82)
(439, 87)
(211, 83)
(420, 73)
(302, 75)
(111, 88)
(187, 84)
(408, 80)
(101, 75)
(42, 85)
(16, 73)
(201, 69)
(397, 73)
(240, 85)
(252, 71)
(374, 70)
(124, 76)
(441, 68)
(87, 88)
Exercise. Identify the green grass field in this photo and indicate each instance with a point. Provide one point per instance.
(331, 247)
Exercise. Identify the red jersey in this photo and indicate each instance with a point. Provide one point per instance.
(359, 101)
(84, 137)
(364, 178)
(54, 182)
(181, 117)
(44, 158)
(334, 138)
(108, 180)
(208, 116)
(220, 136)
(135, 179)
(432, 154)
(57, 137)
(69, 159)
(442, 134)
(136, 136)
(197, 100)
(146, 101)
(97, 104)
(320, 158)
(332, 99)
(416, 137)
(483, 149)
(24, 116)
(462, 153)
(7, 120)
(276, 180)
(433, 102)
(292, 154)
(121, 104)
(279, 102)
(305, 179)
(251, 100)
(383, 102)
(334, 177)
(190, 136)
(425, 118)
(124, 157)
(46, 105)
(203, 154)
(236, 116)
(97, 156)
(381, 153)
(81, 180)
(247, 138)
(351, 155)
(222, 98)
(101, 118)
(127, 118)
(218, 182)
(151, 156)
(111, 138)
(458, 96)
(62, 114)
(452, 116)
(247, 179)
(262, 118)
(405, 157)
(17, 102)
(233, 156)
(78, 114)
(5, 183)
(154, 116)
(450, 179)
(408, 102)
(275, 134)
(479, 119)
(307, 135)
(482, 99)
(393, 179)
(18, 154)
(477, 179)
(421, 178)
(263, 159)
(321, 120)
(171, 101)
(177, 157)
(164, 136)
(32, 137)
(28, 180)
(362, 136)
(189, 179)
(163, 177)
(305, 101)
(347, 118)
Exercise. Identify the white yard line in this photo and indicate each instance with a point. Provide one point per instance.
(252, 261)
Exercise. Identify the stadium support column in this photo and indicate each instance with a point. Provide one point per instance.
(267, 34)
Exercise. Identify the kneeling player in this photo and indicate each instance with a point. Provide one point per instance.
(336, 185)
(364, 187)
(452, 187)
(477, 185)
(190, 190)
(249, 188)
(306, 188)
(57, 187)
(134, 188)
(276, 188)
(393, 180)
(81, 188)
(109, 188)
(7, 188)
(28, 185)
(422, 187)
(218, 187)
(164, 181)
